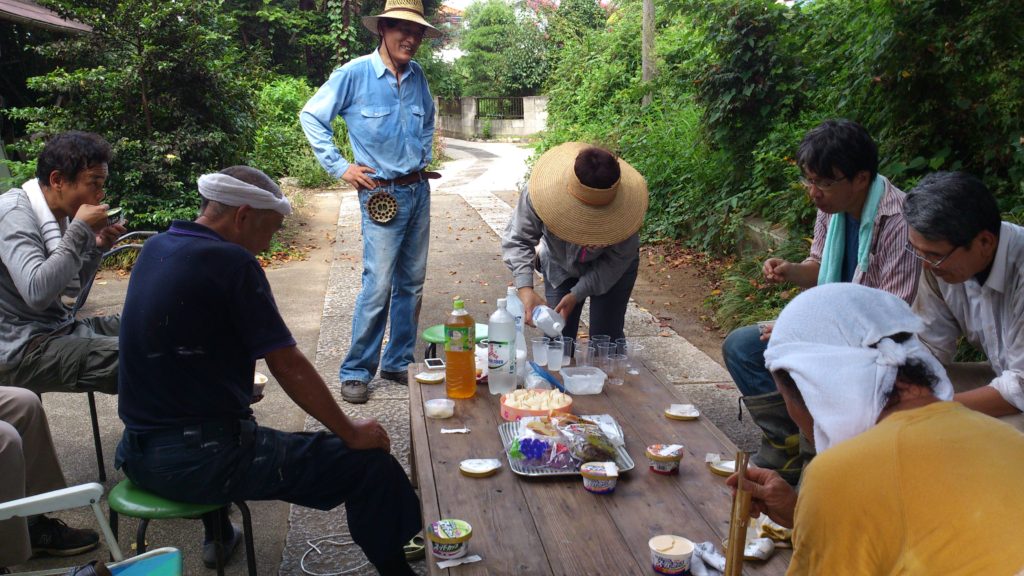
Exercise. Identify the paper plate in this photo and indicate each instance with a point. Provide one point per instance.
(479, 467)
(723, 467)
(430, 377)
(682, 412)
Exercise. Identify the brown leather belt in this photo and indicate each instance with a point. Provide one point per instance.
(410, 178)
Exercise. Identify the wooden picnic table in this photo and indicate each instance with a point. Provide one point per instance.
(551, 525)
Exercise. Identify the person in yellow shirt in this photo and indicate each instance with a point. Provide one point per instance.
(905, 481)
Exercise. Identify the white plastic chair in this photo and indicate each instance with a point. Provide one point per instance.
(162, 561)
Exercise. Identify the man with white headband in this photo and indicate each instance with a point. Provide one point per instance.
(389, 114)
(198, 315)
(904, 480)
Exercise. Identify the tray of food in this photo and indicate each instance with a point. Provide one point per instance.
(557, 445)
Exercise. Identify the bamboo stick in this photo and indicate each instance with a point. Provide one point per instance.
(739, 520)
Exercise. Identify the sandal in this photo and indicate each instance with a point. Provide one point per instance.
(415, 549)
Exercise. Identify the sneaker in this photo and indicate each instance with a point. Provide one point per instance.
(396, 377)
(54, 537)
(355, 392)
(210, 548)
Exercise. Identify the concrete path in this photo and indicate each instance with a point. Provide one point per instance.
(471, 205)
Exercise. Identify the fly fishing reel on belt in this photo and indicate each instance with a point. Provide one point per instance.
(381, 206)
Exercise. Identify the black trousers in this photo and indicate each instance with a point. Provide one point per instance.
(607, 311)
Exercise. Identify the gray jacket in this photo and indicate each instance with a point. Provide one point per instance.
(31, 280)
(598, 269)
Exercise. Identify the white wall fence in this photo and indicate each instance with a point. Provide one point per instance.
(498, 118)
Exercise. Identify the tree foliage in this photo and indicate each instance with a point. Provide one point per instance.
(165, 84)
(938, 83)
(506, 54)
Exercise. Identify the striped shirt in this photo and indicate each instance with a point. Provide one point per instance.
(890, 266)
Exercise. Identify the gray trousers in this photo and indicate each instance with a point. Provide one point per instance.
(28, 465)
(83, 359)
(970, 375)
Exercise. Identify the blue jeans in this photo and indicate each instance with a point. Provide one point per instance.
(221, 462)
(394, 268)
(743, 352)
(607, 311)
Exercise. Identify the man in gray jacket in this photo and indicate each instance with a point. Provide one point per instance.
(53, 232)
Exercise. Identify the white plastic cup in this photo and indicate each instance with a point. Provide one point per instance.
(567, 344)
(616, 369)
(585, 353)
(540, 349)
(604, 350)
(555, 356)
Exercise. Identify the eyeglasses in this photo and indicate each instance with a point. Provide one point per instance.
(933, 263)
(823, 184)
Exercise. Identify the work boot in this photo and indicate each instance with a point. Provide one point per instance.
(398, 377)
(355, 392)
(780, 440)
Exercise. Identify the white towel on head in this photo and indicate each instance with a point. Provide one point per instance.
(231, 191)
(834, 341)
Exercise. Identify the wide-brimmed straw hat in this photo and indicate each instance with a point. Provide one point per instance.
(578, 213)
(410, 10)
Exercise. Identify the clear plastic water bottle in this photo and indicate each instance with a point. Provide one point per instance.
(548, 321)
(515, 307)
(501, 355)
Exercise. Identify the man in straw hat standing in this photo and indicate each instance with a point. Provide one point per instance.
(198, 314)
(386, 104)
(584, 207)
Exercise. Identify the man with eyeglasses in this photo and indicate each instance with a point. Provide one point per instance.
(972, 287)
(859, 237)
(386, 104)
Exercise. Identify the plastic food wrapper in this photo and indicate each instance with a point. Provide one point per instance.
(544, 451)
(564, 441)
(768, 528)
(534, 381)
(706, 560)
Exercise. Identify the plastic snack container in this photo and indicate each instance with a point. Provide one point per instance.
(664, 458)
(449, 538)
(600, 477)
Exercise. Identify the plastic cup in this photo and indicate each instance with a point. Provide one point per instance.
(621, 345)
(600, 338)
(616, 369)
(585, 353)
(604, 350)
(567, 344)
(555, 356)
(540, 349)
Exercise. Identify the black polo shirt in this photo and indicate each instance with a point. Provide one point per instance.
(198, 314)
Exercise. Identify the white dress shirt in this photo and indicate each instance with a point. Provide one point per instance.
(990, 316)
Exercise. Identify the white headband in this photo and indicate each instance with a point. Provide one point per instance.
(231, 191)
(833, 341)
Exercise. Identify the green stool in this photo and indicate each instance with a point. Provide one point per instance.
(435, 335)
(130, 500)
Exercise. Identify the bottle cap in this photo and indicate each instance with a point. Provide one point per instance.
(501, 303)
(459, 304)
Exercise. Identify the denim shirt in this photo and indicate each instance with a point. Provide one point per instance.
(390, 125)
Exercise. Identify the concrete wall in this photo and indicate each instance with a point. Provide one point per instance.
(467, 125)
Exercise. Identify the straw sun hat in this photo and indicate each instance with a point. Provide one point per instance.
(582, 215)
(410, 10)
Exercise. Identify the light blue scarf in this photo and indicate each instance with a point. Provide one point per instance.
(831, 269)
